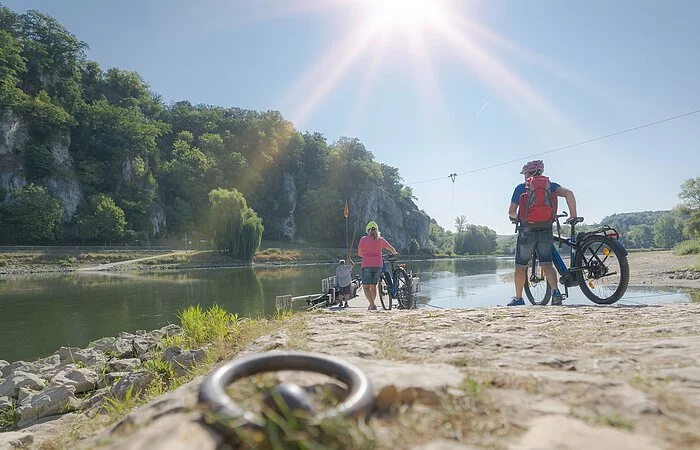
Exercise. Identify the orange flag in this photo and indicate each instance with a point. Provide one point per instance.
(346, 211)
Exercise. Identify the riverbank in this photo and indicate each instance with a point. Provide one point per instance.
(657, 268)
(524, 378)
(53, 401)
(23, 262)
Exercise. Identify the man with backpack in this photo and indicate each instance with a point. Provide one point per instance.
(534, 207)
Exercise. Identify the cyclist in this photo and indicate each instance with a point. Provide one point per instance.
(539, 238)
(370, 250)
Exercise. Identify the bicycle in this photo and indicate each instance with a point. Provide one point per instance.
(395, 284)
(600, 267)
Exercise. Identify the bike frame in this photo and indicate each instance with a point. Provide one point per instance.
(393, 289)
(567, 274)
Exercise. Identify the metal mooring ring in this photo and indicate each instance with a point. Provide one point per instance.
(213, 390)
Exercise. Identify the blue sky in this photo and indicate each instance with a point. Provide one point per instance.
(450, 89)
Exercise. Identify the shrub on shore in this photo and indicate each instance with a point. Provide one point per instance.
(690, 247)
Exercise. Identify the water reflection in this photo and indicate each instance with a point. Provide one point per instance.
(44, 312)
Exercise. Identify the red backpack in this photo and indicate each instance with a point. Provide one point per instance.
(538, 206)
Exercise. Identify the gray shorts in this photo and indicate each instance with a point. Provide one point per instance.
(370, 275)
(539, 240)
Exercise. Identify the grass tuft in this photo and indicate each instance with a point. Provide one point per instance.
(9, 418)
(116, 409)
(162, 371)
(201, 327)
(616, 421)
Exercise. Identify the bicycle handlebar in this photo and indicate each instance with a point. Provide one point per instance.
(571, 221)
(389, 257)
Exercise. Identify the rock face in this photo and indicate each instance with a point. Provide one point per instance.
(67, 191)
(156, 215)
(13, 138)
(62, 185)
(288, 228)
(398, 222)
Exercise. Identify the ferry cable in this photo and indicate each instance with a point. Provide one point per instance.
(588, 141)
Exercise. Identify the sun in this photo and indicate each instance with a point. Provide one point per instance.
(390, 14)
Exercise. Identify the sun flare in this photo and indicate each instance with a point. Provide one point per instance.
(390, 14)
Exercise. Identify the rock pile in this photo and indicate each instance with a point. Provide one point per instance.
(80, 378)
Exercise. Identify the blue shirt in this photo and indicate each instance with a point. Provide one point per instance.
(520, 189)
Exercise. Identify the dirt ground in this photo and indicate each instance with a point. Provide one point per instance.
(661, 269)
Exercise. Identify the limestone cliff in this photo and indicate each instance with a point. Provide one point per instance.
(13, 139)
(288, 227)
(399, 222)
(62, 183)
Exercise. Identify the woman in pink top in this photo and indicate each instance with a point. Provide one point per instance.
(370, 250)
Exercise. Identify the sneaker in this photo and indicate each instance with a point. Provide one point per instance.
(557, 298)
(516, 302)
(346, 305)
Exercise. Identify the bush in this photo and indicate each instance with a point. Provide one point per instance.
(691, 247)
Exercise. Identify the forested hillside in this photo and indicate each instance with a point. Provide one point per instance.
(94, 156)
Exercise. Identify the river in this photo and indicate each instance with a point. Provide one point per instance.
(41, 313)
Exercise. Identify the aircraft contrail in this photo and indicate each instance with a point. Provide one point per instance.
(482, 109)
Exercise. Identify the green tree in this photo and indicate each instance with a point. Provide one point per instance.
(641, 236)
(106, 140)
(413, 246)
(53, 56)
(690, 193)
(30, 216)
(668, 231)
(692, 226)
(443, 240)
(12, 68)
(234, 226)
(109, 220)
(189, 174)
(320, 218)
(47, 120)
(475, 239)
(180, 217)
(460, 224)
(352, 167)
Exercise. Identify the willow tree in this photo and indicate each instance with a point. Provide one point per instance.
(234, 226)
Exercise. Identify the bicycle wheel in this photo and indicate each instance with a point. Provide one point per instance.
(404, 291)
(537, 289)
(383, 290)
(606, 271)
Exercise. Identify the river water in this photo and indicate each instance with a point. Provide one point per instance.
(40, 313)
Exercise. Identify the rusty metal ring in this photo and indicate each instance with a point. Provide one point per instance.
(213, 390)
